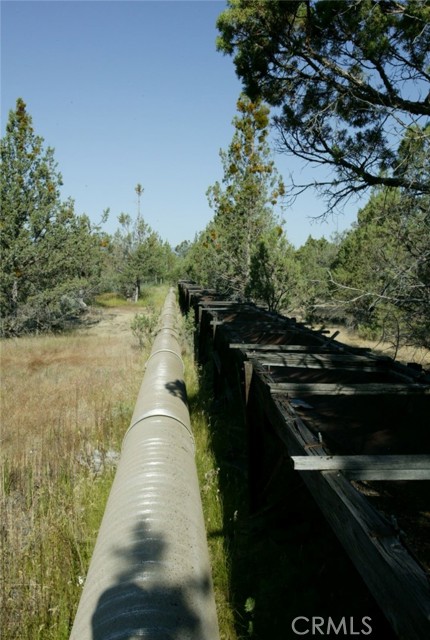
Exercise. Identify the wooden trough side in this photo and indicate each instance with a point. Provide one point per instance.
(397, 582)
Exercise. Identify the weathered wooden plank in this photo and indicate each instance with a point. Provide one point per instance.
(343, 358)
(328, 366)
(371, 467)
(378, 388)
(305, 348)
(299, 348)
(321, 361)
(388, 475)
(397, 581)
(209, 304)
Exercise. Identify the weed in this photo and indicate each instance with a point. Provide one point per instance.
(199, 400)
(109, 299)
(143, 327)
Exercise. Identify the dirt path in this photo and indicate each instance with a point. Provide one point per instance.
(113, 321)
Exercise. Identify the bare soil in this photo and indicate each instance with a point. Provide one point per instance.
(112, 321)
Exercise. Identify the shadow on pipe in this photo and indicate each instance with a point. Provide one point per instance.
(157, 610)
(177, 389)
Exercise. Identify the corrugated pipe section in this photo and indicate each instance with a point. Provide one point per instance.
(150, 575)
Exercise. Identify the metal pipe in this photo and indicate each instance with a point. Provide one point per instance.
(150, 574)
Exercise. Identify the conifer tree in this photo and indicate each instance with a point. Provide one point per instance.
(348, 80)
(138, 254)
(381, 275)
(244, 202)
(50, 256)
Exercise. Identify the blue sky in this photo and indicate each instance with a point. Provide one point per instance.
(134, 92)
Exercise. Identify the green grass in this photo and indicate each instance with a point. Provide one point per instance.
(150, 296)
(109, 299)
(212, 500)
(199, 401)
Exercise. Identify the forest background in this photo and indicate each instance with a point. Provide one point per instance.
(347, 89)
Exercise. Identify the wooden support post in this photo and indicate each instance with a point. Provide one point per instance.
(333, 337)
(247, 371)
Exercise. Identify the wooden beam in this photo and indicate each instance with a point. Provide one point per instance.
(322, 358)
(372, 467)
(334, 336)
(305, 348)
(208, 304)
(321, 361)
(299, 348)
(328, 389)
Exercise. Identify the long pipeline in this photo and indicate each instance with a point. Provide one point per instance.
(149, 575)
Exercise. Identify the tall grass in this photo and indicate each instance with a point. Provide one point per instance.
(150, 295)
(212, 501)
(66, 404)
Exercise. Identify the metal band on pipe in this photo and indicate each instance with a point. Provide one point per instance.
(154, 353)
(159, 413)
(173, 332)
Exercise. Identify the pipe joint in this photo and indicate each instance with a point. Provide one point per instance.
(159, 413)
(154, 353)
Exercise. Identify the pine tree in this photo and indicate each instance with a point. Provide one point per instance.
(50, 256)
(381, 275)
(244, 203)
(348, 80)
(138, 254)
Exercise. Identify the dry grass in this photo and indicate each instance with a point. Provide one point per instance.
(419, 355)
(66, 403)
